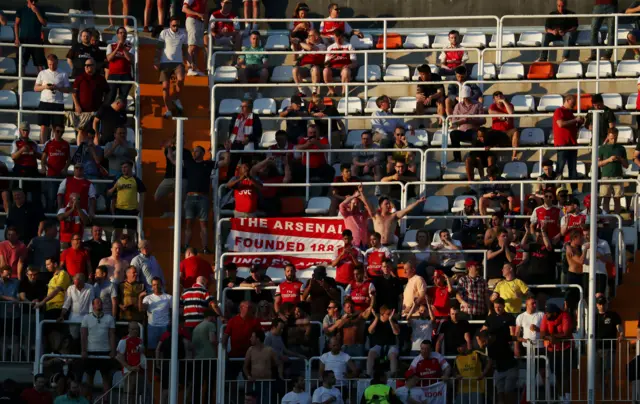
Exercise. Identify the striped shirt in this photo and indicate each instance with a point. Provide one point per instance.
(194, 301)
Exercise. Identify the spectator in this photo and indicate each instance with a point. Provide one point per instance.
(90, 155)
(454, 334)
(249, 6)
(548, 174)
(606, 121)
(338, 362)
(367, 163)
(72, 220)
(82, 187)
(106, 290)
(82, 52)
(97, 247)
(500, 324)
(548, 217)
(253, 65)
(469, 366)
(332, 323)
(129, 247)
(130, 294)
(119, 151)
(25, 156)
(32, 289)
(565, 133)
(289, 291)
(468, 230)
(157, 305)
(609, 332)
(56, 157)
(422, 327)
(26, 217)
(555, 330)
(361, 291)
(120, 55)
(310, 64)
(75, 259)
(239, 330)
(129, 200)
(504, 365)
(130, 355)
(319, 291)
(481, 159)
(634, 8)
(472, 292)
(246, 192)
(429, 95)
(205, 338)
(409, 393)
(400, 143)
(466, 128)
(116, 266)
(572, 219)
(193, 266)
(355, 217)
(390, 284)
(108, 118)
(448, 247)
(379, 390)
(498, 255)
(259, 280)
(328, 27)
(9, 313)
(38, 393)
(603, 258)
(244, 133)
(340, 62)
(147, 265)
(318, 109)
(73, 393)
(299, 30)
(560, 29)
(196, 205)
(273, 339)
(98, 339)
(317, 162)
(439, 296)
(454, 89)
(78, 303)
(633, 37)
(430, 365)
(297, 395)
(612, 158)
(339, 193)
(168, 183)
(195, 301)
(295, 127)
(163, 351)
(233, 299)
(511, 290)
(449, 59)
(542, 259)
(345, 259)
(603, 7)
(56, 289)
(375, 256)
(4, 187)
(506, 125)
(13, 252)
(223, 33)
(414, 292)
(383, 127)
(27, 29)
(327, 392)
(401, 171)
(528, 329)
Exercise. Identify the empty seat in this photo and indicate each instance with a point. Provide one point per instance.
(374, 73)
(394, 41)
(586, 102)
(549, 102)
(30, 99)
(584, 136)
(354, 105)
(440, 40)
(419, 138)
(409, 240)
(523, 103)
(489, 71)
(286, 103)
(277, 43)
(536, 170)
(8, 99)
(229, 106)
(625, 135)
(458, 203)
(6, 33)
(487, 100)
(318, 205)
(405, 105)
(511, 71)
(515, 170)
(8, 66)
(612, 100)
(436, 204)
(540, 71)
(437, 139)
(631, 102)
(584, 38)
(68, 101)
(474, 40)
(225, 74)
(8, 131)
(531, 38)
(354, 138)
(416, 41)
(31, 69)
(364, 43)
(397, 73)
(621, 37)
(581, 170)
(264, 106)
(531, 137)
(268, 139)
(434, 171)
(282, 74)
(371, 106)
(628, 68)
(131, 104)
(632, 171)
(8, 162)
(605, 69)
(455, 171)
(60, 36)
(569, 70)
(508, 39)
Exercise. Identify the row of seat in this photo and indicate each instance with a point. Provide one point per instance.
(31, 100)
(9, 132)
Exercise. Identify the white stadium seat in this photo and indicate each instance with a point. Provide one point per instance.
(8, 99)
(225, 74)
(569, 70)
(405, 105)
(30, 99)
(628, 68)
(354, 107)
(8, 131)
(436, 204)
(286, 103)
(60, 36)
(515, 170)
(632, 171)
(531, 38)
(68, 101)
(268, 139)
(605, 69)
(631, 102)
(508, 39)
(434, 171)
(9, 163)
(584, 136)
(621, 37)
(458, 203)
(282, 74)
(354, 138)
(264, 106)
(277, 43)
(374, 73)
(371, 106)
(416, 41)
(474, 40)
(131, 104)
(581, 169)
(229, 106)
(511, 71)
(318, 205)
(489, 71)
(549, 102)
(420, 138)
(625, 135)
(612, 100)
(397, 73)
(531, 137)
(409, 240)
(455, 171)
(8, 66)
(364, 43)
(523, 103)
(535, 170)
(440, 40)
(437, 139)
(6, 33)
(31, 69)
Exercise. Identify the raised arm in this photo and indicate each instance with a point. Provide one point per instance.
(402, 213)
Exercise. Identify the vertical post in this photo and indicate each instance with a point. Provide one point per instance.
(615, 39)
(384, 45)
(175, 307)
(20, 86)
(597, 71)
(366, 78)
(593, 235)
(499, 41)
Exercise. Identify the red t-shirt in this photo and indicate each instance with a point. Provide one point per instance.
(344, 269)
(374, 260)
(70, 226)
(429, 368)
(289, 292)
(560, 325)
(551, 216)
(239, 331)
(193, 267)
(75, 261)
(564, 136)
(31, 396)
(90, 90)
(574, 222)
(439, 296)
(501, 124)
(58, 152)
(12, 254)
(119, 64)
(315, 159)
(219, 26)
(28, 158)
(359, 294)
(246, 196)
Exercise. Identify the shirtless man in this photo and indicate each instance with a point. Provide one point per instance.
(258, 366)
(353, 326)
(385, 220)
(576, 255)
(115, 263)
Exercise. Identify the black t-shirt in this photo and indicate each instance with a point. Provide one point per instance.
(389, 289)
(25, 219)
(79, 53)
(171, 168)
(494, 265)
(320, 296)
(454, 335)
(542, 262)
(409, 176)
(498, 327)
(33, 290)
(198, 174)
(323, 123)
(383, 335)
(606, 117)
(97, 250)
(264, 294)
(295, 127)
(110, 119)
(502, 356)
(236, 296)
(606, 327)
(430, 89)
(563, 24)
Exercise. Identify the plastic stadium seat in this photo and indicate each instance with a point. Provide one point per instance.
(487, 100)
(632, 171)
(30, 69)
(394, 41)
(438, 136)
(434, 69)
(8, 131)
(397, 73)
(515, 170)
(584, 38)
(436, 204)
(413, 41)
(7, 161)
(371, 106)
(531, 38)
(282, 74)
(8, 99)
(586, 102)
(584, 136)
(523, 103)
(131, 104)
(68, 101)
(60, 36)
(631, 102)
(405, 105)
(621, 37)
(474, 40)
(374, 73)
(531, 137)
(535, 170)
(569, 70)
(6, 33)
(30, 99)
(628, 68)
(540, 71)
(409, 240)
(364, 43)
(277, 43)
(225, 74)
(264, 106)
(131, 135)
(229, 106)
(612, 100)
(355, 105)
(549, 102)
(508, 39)
(511, 71)
(434, 171)
(489, 71)
(286, 103)
(458, 203)
(581, 169)
(8, 66)
(420, 138)
(354, 138)
(318, 205)
(605, 69)
(454, 171)
(440, 40)
(268, 139)
(625, 134)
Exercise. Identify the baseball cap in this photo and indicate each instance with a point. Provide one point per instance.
(601, 300)
(562, 189)
(551, 308)
(465, 92)
(469, 202)
(438, 273)
(24, 125)
(296, 99)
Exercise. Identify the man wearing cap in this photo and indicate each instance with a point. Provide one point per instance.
(25, 156)
(556, 329)
(609, 332)
(410, 393)
(472, 292)
(295, 127)
(612, 159)
(565, 133)
(511, 289)
(467, 230)
(429, 96)
(466, 127)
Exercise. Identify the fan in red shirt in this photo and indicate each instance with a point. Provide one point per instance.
(290, 290)
(38, 394)
(547, 216)
(239, 330)
(430, 365)
(193, 266)
(225, 33)
(573, 219)
(345, 260)
(76, 259)
(501, 106)
(79, 184)
(439, 295)
(246, 192)
(374, 256)
(72, 219)
(56, 154)
(556, 331)
(318, 167)
(565, 133)
(361, 291)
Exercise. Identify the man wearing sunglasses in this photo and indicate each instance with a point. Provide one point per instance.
(171, 52)
(91, 90)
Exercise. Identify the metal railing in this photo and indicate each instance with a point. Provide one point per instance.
(18, 321)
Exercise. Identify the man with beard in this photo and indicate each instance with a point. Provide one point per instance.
(32, 289)
(290, 290)
(73, 395)
(106, 291)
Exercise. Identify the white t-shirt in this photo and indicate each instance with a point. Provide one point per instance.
(525, 320)
(57, 78)
(296, 398)
(337, 364)
(173, 42)
(322, 394)
(98, 335)
(416, 393)
(420, 330)
(602, 248)
(158, 310)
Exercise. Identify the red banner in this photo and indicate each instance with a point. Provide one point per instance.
(299, 234)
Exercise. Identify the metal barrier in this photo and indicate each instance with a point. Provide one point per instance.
(18, 321)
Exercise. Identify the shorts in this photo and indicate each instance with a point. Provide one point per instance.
(337, 71)
(47, 119)
(386, 350)
(615, 190)
(196, 207)
(305, 71)
(167, 69)
(104, 366)
(507, 381)
(167, 186)
(83, 121)
(131, 224)
(252, 71)
(37, 54)
(153, 335)
(195, 32)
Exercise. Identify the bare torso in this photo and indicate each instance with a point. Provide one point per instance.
(386, 225)
(114, 265)
(261, 362)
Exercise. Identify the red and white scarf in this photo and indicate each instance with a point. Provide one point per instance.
(242, 127)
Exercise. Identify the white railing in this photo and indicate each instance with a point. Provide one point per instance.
(18, 320)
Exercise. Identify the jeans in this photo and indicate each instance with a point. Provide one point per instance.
(569, 158)
(569, 39)
(117, 89)
(596, 23)
(458, 136)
